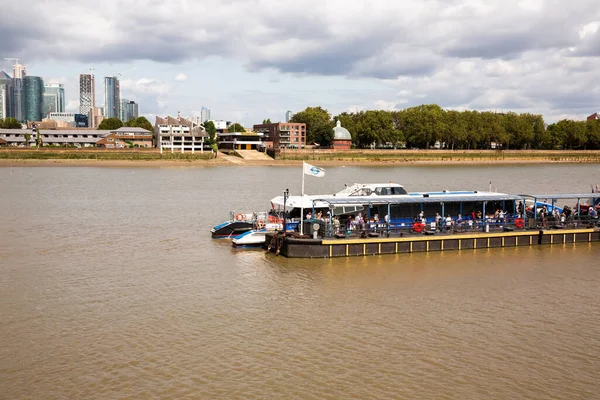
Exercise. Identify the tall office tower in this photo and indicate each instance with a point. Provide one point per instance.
(129, 110)
(112, 97)
(54, 98)
(288, 116)
(19, 71)
(33, 96)
(205, 114)
(17, 104)
(5, 95)
(87, 93)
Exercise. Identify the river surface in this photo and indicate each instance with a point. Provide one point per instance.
(111, 287)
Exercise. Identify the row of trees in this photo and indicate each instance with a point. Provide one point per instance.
(428, 124)
(116, 123)
(9, 123)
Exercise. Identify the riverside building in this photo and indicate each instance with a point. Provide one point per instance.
(179, 135)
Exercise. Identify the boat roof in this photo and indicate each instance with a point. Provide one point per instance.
(380, 200)
(557, 196)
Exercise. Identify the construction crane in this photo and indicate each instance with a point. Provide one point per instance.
(121, 73)
(15, 59)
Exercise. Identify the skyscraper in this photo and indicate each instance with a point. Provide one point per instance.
(87, 93)
(5, 95)
(204, 114)
(129, 110)
(54, 98)
(33, 95)
(17, 103)
(288, 116)
(112, 97)
(19, 71)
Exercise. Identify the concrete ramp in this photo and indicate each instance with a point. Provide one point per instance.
(254, 155)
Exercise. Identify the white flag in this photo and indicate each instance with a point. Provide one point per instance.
(313, 171)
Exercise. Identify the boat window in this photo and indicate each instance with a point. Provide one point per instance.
(387, 191)
(362, 192)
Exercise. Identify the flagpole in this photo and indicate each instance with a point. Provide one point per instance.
(302, 202)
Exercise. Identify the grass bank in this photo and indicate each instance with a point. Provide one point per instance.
(112, 155)
(443, 155)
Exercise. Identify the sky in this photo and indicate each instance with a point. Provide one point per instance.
(249, 60)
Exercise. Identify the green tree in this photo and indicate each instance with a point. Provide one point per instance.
(319, 127)
(143, 122)
(110, 124)
(266, 121)
(210, 128)
(9, 123)
(236, 127)
(27, 139)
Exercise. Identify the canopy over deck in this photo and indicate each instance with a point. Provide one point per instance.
(558, 196)
(384, 200)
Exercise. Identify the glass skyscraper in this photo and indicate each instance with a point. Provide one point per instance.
(112, 97)
(54, 98)
(129, 110)
(33, 98)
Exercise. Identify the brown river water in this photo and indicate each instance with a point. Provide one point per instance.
(111, 287)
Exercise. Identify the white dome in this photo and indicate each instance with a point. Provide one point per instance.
(340, 133)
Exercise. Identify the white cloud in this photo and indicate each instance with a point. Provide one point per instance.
(532, 55)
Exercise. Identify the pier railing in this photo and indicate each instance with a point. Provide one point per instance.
(329, 229)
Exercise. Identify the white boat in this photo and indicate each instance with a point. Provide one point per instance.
(255, 237)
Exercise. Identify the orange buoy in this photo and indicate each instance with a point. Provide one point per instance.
(239, 217)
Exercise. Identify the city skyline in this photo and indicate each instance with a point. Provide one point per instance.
(471, 54)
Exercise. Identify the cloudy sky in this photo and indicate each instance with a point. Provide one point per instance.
(248, 60)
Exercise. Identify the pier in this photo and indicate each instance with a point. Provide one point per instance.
(344, 247)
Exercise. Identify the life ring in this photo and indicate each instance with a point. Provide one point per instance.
(519, 223)
(418, 227)
(260, 224)
(239, 217)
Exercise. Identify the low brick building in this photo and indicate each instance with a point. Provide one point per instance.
(283, 135)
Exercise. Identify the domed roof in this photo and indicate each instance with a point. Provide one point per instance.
(340, 133)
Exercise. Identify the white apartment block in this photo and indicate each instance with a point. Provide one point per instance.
(179, 134)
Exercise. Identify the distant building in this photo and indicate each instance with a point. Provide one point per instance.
(288, 116)
(204, 115)
(112, 97)
(283, 135)
(342, 140)
(595, 116)
(95, 117)
(33, 96)
(126, 137)
(129, 110)
(6, 91)
(240, 140)
(19, 71)
(87, 93)
(179, 134)
(54, 98)
(220, 125)
(72, 137)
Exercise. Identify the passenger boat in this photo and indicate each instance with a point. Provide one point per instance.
(375, 201)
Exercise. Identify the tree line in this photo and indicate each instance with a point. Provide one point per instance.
(9, 123)
(116, 123)
(429, 125)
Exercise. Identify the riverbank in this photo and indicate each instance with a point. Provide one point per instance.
(153, 158)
